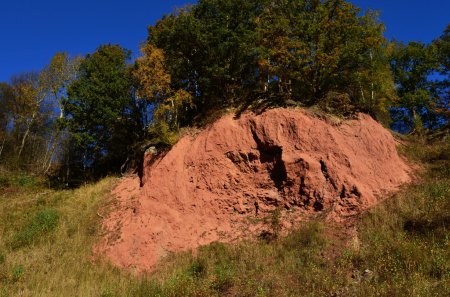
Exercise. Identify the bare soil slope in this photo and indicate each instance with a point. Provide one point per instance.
(211, 186)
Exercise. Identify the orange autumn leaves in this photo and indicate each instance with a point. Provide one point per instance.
(155, 86)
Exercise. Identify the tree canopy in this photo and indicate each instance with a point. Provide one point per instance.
(81, 117)
(229, 53)
(422, 76)
(100, 111)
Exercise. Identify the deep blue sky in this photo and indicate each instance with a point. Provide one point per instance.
(33, 30)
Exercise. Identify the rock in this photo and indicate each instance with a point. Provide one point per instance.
(367, 274)
(151, 150)
(282, 157)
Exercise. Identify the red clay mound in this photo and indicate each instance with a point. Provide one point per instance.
(209, 185)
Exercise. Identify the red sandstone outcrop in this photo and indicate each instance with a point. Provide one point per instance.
(208, 186)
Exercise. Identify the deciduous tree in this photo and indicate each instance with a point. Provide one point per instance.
(412, 64)
(155, 86)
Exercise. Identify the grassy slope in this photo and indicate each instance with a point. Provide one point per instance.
(46, 239)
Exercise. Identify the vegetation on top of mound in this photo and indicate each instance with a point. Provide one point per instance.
(81, 118)
(291, 50)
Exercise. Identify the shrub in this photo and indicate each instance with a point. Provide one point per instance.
(198, 268)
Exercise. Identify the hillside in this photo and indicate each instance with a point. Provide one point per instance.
(47, 236)
(220, 184)
(400, 247)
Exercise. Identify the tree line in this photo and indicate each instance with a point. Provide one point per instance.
(84, 117)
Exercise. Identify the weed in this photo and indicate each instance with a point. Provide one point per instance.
(107, 293)
(26, 181)
(223, 278)
(41, 224)
(197, 269)
(16, 273)
(274, 226)
(309, 236)
(146, 288)
(5, 181)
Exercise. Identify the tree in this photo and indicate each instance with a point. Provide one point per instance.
(232, 53)
(316, 48)
(6, 101)
(55, 78)
(442, 45)
(25, 121)
(154, 85)
(211, 51)
(100, 112)
(28, 100)
(412, 65)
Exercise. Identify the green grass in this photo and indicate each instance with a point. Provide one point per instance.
(16, 180)
(401, 247)
(41, 224)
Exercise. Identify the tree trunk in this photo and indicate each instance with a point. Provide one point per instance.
(52, 153)
(3, 145)
(175, 112)
(362, 93)
(47, 151)
(372, 102)
(60, 105)
(22, 145)
(49, 165)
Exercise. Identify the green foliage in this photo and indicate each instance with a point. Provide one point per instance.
(411, 65)
(197, 269)
(18, 180)
(43, 222)
(418, 124)
(17, 273)
(442, 45)
(337, 103)
(26, 181)
(161, 133)
(231, 53)
(101, 113)
(422, 100)
(274, 225)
